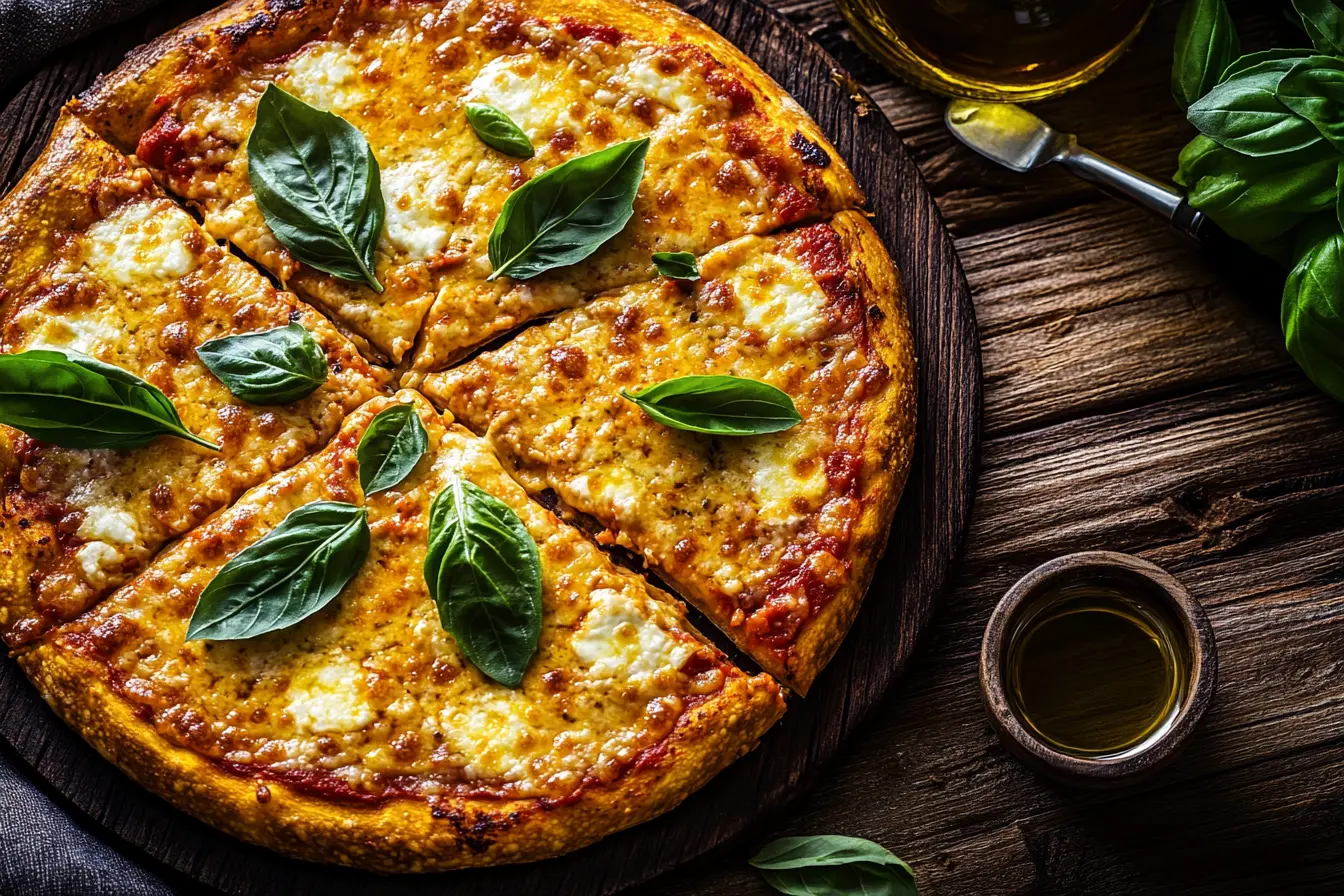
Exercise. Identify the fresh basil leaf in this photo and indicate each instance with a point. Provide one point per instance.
(498, 131)
(564, 215)
(1313, 308)
(1324, 22)
(1314, 89)
(317, 185)
(719, 405)
(274, 366)
(484, 573)
(1256, 209)
(833, 866)
(1243, 113)
(1266, 60)
(1206, 43)
(1339, 195)
(677, 265)
(288, 575)
(390, 448)
(74, 401)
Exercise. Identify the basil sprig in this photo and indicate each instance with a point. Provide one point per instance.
(1206, 42)
(564, 215)
(677, 265)
(1268, 165)
(390, 448)
(74, 401)
(833, 866)
(285, 577)
(483, 570)
(498, 131)
(317, 185)
(718, 405)
(274, 366)
(1324, 22)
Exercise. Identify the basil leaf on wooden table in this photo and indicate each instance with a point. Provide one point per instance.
(390, 448)
(1324, 22)
(677, 265)
(718, 405)
(1206, 43)
(288, 575)
(317, 185)
(274, 366)
(498, 131)
(565, 214)
(74, 401)
(1244, 114)
(484, 573)
(1314, 89)
(833, 866)
(1313, 310)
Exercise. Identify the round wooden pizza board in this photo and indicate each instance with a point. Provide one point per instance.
(926, 536)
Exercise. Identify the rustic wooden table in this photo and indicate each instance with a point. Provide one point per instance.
(1137, 398)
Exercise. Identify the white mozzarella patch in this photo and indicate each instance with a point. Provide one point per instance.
(95, 559)
(82, 334)
(325, 75)
(775, 481)
(496, 732)
(643, 76)
(103, 523)
(141, 243)
(617, 640)
(781, 300)
(538, 112)
(329, 699)
(415, 224)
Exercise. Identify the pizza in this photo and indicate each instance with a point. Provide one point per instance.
(94, 258)
(772, 537)
(623, 710)
(729, 153)
(648, 349)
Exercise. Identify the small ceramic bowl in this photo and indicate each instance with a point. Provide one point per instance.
(1136, 576)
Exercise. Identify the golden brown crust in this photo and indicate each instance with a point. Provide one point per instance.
(888, 449)
(399, 835)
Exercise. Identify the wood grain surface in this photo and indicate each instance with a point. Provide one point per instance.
(1137, 398)
(929, 528)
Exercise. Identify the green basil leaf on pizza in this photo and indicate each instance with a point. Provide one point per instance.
(286, 576)
(718, 405)
(498, 131)
(274, 366)
(74, 401)
(676, 265)
(318, 186)
(390, 448)
(483, 570)
(564, 215)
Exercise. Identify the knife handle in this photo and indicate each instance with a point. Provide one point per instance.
(1162, 200)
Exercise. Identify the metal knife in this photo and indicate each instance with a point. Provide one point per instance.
(1018, 140)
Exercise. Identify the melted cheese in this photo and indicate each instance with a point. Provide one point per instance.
(415, 223)
(97, 561)
(325, 75)
(778, 487)
(104, 523)
(329, 699)
(535, 100)
(81, 332)
(618, 640)
(139, 242)
(781, 299)
(672, 91)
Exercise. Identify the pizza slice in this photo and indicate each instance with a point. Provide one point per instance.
(364, 734)
(728, 152)
(95, 260)
(774, 536)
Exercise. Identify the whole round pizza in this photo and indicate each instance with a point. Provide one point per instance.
(371, 374)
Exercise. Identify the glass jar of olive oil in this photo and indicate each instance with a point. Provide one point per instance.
(996, 50)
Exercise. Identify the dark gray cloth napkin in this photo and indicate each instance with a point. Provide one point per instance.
(44, 850)
(32, 29)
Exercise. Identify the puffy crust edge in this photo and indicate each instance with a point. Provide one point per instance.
(401, 834)
(888, 447)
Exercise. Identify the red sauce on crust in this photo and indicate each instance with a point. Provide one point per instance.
(607, 34)
(160, 146)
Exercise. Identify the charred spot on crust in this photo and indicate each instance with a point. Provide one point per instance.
(876, 313)
(812, 153)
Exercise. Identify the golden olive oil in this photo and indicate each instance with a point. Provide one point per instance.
(1095, 671)
(998, 50)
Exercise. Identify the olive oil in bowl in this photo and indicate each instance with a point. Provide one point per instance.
(1096, 669)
